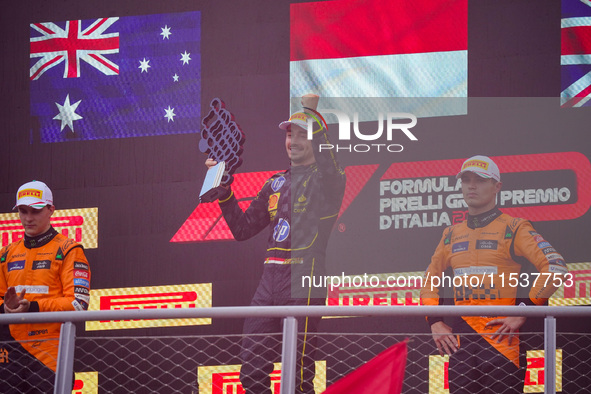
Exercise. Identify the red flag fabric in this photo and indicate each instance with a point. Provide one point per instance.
(383, 374)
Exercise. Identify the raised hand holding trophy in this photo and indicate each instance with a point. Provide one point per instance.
(222, 140)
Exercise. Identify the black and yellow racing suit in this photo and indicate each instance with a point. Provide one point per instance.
(298, 207)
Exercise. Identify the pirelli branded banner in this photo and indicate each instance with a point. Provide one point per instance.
(534, 374)
(404, 288)
(81, 225)
(225, 379)
(375, 290)
(158, 297)
(85, 383)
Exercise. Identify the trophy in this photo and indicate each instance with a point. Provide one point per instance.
(222, 140)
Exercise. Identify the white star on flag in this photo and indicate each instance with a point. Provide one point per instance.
(165, 32)
(169, 113)
(68, 113)
(185, 57)
(144, 65)
(175, 77)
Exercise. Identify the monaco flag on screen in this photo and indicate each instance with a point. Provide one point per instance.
(575, 56)
(116, 77)
(379, 48)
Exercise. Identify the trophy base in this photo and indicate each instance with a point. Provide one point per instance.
(211, 189)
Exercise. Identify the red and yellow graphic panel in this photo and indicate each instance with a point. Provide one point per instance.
(578, 290)
(81, 225)
(225, 379)
(85, 383)
(534, 375)
(156, 297)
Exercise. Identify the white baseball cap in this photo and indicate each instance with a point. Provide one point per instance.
(34, 194)
(481, 165)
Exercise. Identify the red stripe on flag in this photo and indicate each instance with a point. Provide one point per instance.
(352, 28)
(576, 40)
(44, 28)
(99, 24)
(584, 93)
(101, 61)
(47, 64)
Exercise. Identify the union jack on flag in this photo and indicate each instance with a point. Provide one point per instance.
(115, 77)
(56, 45)
(575, 57)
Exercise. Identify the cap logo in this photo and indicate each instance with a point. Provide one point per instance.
(30, 193)
(475, 163)
(299, 116)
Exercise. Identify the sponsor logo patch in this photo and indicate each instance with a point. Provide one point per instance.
(459, 247)
(475, 163)
(84, 298)
(554, 256)
(30, 193)
(277, 183)
(273, 200)
(544, 244)
(77, 305)
(37, 332)
(81, 282)
(81, 290)
(16, 265)
(42, 264)
(281, 231)
(487, 244)
(81, 274)
(80, 265)
(559, 262)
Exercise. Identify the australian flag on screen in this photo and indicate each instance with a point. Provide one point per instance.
(116, 77)
(575, 56)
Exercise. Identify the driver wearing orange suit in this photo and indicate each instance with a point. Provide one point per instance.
(43, 272)
(487, 259)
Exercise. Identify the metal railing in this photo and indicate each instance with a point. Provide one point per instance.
(64, 373)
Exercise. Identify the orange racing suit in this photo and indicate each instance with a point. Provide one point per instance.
(55, 273)
(497, 249)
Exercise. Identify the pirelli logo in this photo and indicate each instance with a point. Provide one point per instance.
(81, 225)
(576, 290)
(225, 379)
(476, 163)
(534, 374)
(30, 193)
(85, 383)
(158, 297)
(376, 290)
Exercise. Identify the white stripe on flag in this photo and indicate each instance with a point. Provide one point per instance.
(436, 74)
(575, 22)
(577, 87)
(583, 101)
(566, 60)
